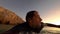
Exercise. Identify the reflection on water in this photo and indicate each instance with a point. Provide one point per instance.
(50, 30)
(45, 30)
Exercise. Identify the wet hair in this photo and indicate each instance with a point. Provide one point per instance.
(29, 15)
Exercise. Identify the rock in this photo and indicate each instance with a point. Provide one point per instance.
(52, 25)
(9, 17)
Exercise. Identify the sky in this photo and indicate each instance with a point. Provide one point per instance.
(49, 10)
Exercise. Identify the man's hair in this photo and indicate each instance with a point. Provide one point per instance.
(29, 15)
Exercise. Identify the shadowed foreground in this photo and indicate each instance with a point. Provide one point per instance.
(45, 30)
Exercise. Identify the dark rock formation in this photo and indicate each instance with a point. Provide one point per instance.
(52, 25)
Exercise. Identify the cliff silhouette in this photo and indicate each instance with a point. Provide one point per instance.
(52, 25)
(9, 17)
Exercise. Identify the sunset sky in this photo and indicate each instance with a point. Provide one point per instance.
(49, 10)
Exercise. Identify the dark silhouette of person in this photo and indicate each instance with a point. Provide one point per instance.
(33, 24)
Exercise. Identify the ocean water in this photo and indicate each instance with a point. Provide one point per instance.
(50, 30)
(45, 30)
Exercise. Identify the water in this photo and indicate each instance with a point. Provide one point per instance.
(45, 30)
(50, 30)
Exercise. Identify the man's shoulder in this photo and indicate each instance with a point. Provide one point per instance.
(22, 24)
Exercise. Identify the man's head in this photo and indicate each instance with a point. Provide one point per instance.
(33, 19)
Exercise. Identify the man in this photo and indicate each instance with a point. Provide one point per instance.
(33, 24)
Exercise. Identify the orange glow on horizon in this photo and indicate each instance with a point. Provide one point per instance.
(53, 18)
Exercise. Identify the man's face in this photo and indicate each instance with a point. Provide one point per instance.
(36, 20)
(37, 17)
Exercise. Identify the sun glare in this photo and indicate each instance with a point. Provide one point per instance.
(56, 22)
(53, 17)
